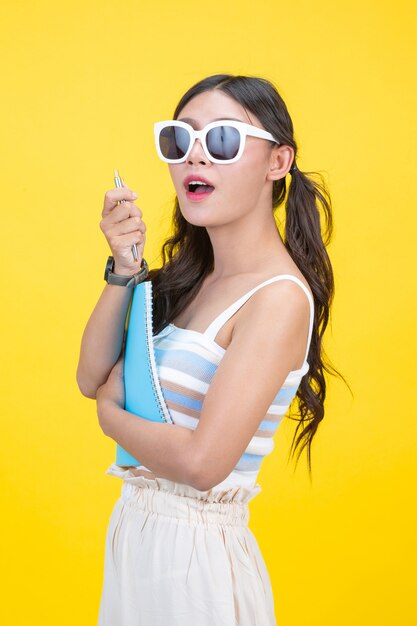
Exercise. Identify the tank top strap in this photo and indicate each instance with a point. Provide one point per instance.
(221, 319)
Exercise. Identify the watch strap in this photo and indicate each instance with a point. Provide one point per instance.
(125, 280)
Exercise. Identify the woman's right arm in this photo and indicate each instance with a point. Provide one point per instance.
(102, 339)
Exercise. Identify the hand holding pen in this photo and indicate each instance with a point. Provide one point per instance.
(119, 184)
(123, 228)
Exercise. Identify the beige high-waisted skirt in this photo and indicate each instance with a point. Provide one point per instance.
(177, 556)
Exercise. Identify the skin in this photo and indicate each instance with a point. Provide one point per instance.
(263, 336)
(238, 213)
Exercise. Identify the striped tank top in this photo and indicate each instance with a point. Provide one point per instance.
(186, 361)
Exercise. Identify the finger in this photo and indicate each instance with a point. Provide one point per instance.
(122, 212)
(129, 225)
(114, 196)
(121, 242)
(121, 224)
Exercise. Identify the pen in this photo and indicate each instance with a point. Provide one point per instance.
(118, 183)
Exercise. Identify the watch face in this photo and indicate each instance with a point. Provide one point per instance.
(109, 267)
(129, 281)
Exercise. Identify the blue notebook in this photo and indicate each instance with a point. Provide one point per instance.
(142, 386)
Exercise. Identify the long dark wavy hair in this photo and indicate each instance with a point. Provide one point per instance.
(187, 256)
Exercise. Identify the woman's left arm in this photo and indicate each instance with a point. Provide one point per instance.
(165, 449)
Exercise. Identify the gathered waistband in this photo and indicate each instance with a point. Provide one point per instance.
(176, 500)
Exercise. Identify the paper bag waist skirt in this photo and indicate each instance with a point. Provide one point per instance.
(177, 556)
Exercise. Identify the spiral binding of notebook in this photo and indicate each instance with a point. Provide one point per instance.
(143, 391)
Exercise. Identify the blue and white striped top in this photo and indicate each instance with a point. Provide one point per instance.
(186, 361)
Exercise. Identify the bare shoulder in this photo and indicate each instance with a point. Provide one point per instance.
(278, 298)
(276, 309)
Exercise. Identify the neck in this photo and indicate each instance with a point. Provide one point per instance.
(246, 245)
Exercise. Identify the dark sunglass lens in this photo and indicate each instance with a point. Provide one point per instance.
(174, 142)
(223, 142)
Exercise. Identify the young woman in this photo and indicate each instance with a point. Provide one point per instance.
(239, 314)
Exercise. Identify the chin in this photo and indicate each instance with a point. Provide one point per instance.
(196, 220)
(193, 209)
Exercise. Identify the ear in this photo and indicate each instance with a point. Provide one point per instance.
(280, 162)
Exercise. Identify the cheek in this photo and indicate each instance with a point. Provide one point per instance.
(175, 175)
(246, 179)
(172, 174)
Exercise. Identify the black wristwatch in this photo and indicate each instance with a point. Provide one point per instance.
(125, 281)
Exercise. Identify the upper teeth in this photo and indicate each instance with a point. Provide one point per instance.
(197, 182)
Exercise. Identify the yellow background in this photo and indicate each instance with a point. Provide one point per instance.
(82, 84)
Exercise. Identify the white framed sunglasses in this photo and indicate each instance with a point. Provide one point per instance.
(223, 141)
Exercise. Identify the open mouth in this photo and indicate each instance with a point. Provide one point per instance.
(198, 187)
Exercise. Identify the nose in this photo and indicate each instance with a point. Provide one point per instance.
(197, 154)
